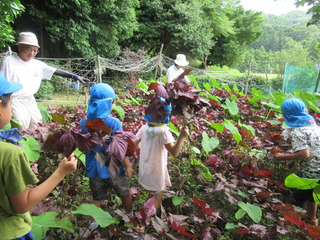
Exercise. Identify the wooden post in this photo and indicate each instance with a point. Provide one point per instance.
(317, 84)
(159, 58)
(248, 77)
(98, 67)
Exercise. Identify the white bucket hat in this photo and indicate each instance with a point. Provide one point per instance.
(28, 38)
(181, 60)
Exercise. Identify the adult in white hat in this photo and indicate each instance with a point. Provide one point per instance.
(177, 68)
(28, 71)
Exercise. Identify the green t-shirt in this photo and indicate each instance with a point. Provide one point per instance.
(15, 175)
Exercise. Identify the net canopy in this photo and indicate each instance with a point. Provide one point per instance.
(298, 78)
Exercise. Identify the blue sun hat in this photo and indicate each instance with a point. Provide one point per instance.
(100, 102)
(295, 113)
(8, 87)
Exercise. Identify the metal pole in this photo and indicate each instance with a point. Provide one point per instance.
(317, 84)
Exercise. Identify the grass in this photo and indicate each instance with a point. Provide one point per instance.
(67, 98)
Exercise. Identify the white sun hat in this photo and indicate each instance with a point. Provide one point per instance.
(181, 60)
(28, 38)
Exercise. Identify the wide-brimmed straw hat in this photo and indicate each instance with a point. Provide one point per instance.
(28, 38)
(295, 113)
(181, 60)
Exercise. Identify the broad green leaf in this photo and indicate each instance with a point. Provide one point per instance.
(209, 144)
(44, 113)
(195, 150)
(233, 97)
(316, 194)
(204, 170)
(219, 127)
(247, 127)
(32, 148)
(142, 86)
(231, 226)
(254, 212)
(273, 106)
(235, 88)
(103, 218)
(257, 94)
(177, 200)
(243, 194)
(42, 223)
(173, 129)
(207, 86)
(240, 213)
(232, 107)
(58, 118)
(81, 156)
(135, 101)
(215, 83)
(233, 129)
(226, 87)
(253, 102)
(119, 110)
(293, 181)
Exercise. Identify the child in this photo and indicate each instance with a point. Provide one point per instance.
(16, 199)
(100, 106)
(305, 140)
(156, 140)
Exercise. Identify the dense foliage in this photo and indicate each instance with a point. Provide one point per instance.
(9, 11)
(225, 184)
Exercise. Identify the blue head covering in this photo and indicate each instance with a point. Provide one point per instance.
(159, 113)
(100, 102)
(8, 87)
(295, 113)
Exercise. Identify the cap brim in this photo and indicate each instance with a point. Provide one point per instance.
(26, 43)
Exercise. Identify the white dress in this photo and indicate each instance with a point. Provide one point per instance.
(153, 171)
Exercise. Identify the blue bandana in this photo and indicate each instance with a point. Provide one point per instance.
(164, 119)
(100, 102)
(295, 113)
(11, 135)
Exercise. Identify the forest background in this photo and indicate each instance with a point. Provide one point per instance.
(219, 191)
(215, 35)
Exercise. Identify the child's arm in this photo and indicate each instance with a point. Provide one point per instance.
(127, 166)
(175, 148)
(25, 200)
(293, 156)
(137, 144)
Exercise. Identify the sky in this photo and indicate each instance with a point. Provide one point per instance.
(271, 7)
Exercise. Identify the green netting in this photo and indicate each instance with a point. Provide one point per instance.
(298, 78)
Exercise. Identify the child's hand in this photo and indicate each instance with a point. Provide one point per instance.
(184, 132)
(68, 165)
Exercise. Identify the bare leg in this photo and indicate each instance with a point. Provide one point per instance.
(311, 210)
(158, 199)
(98, 203)
(127, 202)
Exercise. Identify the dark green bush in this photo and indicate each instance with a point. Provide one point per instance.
(46, 90)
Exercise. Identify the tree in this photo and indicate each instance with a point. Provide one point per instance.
(183, 26)
(247, 29)
(79, 27)
(9, 10)
(314, 10)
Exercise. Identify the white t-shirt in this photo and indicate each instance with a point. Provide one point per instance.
(153, 171)
(173, 72)
(29, 74)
